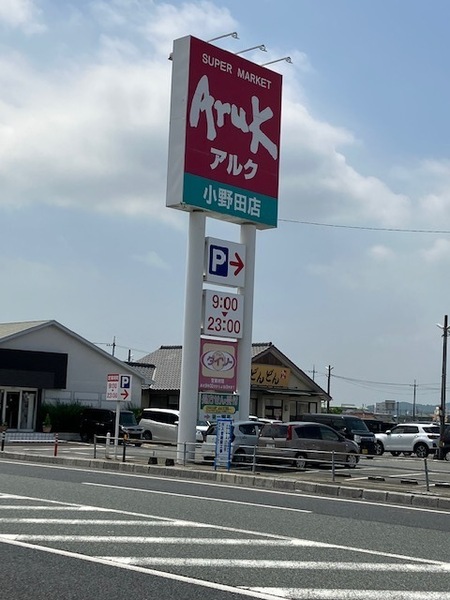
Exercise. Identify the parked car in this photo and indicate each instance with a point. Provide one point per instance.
(99, 421)
(263, 419)
(420, 438)
(377, 425)
(351, 427)
(300, 442)
(446, 440)
(161, 425)
(244, 437)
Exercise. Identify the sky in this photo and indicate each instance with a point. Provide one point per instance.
(351, 282)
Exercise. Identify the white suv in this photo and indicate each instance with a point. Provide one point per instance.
(420, 438)
(161, 425)
(244, 438)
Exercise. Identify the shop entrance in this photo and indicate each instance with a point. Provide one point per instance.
(17, 408)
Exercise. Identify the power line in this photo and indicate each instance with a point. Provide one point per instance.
(366, 228)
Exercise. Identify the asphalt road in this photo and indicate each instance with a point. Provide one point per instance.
(69, 532)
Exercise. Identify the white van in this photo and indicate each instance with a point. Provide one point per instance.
(161, 425)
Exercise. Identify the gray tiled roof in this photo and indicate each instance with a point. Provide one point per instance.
(167, 365)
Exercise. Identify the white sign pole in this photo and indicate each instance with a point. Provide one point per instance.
(191, 338)
(248, 238)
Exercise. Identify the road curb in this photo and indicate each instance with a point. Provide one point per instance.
(336, 490)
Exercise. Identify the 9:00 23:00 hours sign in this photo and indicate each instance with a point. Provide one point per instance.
(222, 314)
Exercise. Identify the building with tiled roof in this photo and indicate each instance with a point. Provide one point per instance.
(279, 388)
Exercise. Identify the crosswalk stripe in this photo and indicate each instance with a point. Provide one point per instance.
(348, 594)
(128, 539)
(69, 521)
(278, 564)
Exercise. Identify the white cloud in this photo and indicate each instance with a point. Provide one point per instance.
(21, 14)
(438, 252)
(317, 180)
(152, 259)
(380, 252)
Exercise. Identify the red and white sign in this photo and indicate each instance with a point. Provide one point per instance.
(223, 314)
(112, 387)
(118, 387)
(218, 365)
(224, 140)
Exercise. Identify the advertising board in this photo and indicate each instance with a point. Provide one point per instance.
(224, 138)
(218, 365)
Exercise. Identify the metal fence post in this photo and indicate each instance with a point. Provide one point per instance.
(3, 440)
(95, 445)
(427, 478)
(124, 443)
(55, 451)
(333, 469)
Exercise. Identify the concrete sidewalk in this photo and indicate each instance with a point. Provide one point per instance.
(304, 483)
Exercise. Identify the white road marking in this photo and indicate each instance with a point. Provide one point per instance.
(245, 532)
(331, 594)
(278, 564)
(163, 575)
(127, 522)
(259, 505)
(140, 539)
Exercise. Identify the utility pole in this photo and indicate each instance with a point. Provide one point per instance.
(414, 401)
(329, 369)
(443, 386)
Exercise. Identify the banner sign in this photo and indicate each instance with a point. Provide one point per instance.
(223, 443)
(270, 376)
(215, 406)
(224, 140)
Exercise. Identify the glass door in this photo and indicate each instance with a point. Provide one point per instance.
(12, 409)
(17, 408)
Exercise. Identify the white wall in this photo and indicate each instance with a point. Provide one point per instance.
(87, 367)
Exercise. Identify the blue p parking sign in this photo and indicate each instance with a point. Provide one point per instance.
(224, 262)
(125, 382)
(218, 260)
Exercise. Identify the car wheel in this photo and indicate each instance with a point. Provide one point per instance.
(407, 453)
(351, 461)
(396, 453)
(447, 455)
(421, 450)
(147, 435)
(84, 437)
(379, 448)
(138, 444)
(299, 462)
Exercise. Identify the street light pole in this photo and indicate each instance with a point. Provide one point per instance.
(443, 386)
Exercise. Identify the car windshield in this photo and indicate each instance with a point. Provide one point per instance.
(127, 418)
(356, 425)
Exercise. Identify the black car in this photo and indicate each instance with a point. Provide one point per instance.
(100, 421)
(446, 440)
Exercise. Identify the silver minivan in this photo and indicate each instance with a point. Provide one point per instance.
(300, 443)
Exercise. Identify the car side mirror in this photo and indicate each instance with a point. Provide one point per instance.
(176, 423)
(388, 432)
